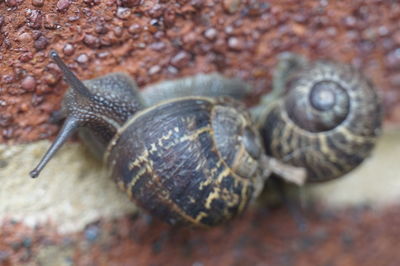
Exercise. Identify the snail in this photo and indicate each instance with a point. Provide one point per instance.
(194, 159)
(323, 115)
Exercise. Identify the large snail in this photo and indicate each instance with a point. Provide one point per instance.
(194, 159)
(323, 116)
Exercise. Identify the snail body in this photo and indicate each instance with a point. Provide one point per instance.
(207, 85)
(323, 116)
(188, 160)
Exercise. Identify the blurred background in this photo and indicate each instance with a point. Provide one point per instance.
(74, 215)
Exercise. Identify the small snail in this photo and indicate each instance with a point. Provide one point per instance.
(321, 115)
(192, 159)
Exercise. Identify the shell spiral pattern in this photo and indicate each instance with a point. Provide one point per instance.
(185, 151)
(327, 121)
(189, 160)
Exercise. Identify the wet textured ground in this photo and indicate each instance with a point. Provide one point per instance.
(356, 237)
(157, 40)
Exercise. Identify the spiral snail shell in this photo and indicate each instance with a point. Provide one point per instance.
(192, 158)
(323, 116)
(188, 160)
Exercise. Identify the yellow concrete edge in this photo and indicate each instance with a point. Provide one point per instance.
(74, 189)
(376, 182)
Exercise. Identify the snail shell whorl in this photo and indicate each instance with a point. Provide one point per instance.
(327, 122)
(188, 160)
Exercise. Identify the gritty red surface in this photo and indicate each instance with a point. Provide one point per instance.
(156, 40)
(341, 238)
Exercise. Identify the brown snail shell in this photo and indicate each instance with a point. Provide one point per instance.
(192, 160)
(187, 160)
(326, 119)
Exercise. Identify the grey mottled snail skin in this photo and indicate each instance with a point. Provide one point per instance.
(321, 115)
(193, 160)
(207, 85)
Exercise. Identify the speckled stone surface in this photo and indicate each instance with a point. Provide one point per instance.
(156, 40)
